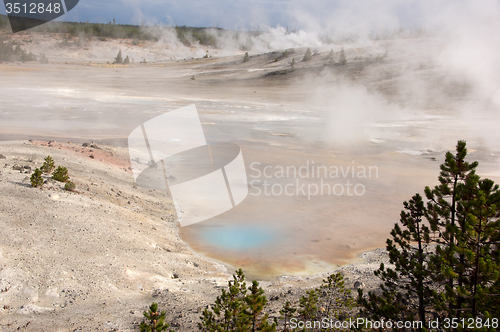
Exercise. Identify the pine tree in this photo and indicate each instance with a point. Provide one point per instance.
(60, 174)
(444, 210)
(330, 55)
(119, 58)
(490, 303)
(460, 279)
(335, 298)
(479, 226)
(292, 64)
(309, 305)
(287, 313)
(227, 314)
(308, 55)
(126, 61)
(342, 58)
(43, 59)
(36, 178)
(255, 302)
(405, 289)
(246, 58)
(155, 320)
(48, 165)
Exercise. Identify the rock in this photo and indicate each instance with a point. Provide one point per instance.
(86, 145)
(2, 156)
(359, 284)
(17, 167)
(55, 197)
(30, 309)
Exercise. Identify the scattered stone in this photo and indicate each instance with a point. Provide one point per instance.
(33, 309)
(359, 284)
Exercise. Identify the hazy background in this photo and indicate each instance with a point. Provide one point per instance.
(439, 83)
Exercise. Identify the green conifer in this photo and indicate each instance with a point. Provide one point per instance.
(307, 55)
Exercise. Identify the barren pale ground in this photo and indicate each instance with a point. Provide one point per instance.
(96, 258)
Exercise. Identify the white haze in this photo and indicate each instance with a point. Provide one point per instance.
(459, 40)
(463, 47)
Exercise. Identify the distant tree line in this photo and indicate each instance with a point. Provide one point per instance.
(186, 35)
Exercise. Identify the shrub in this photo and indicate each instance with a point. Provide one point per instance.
(155, 321)
(342, 58)
(61, 174)
(242, 308)
(69, 186)
(308, 55)
(43, 59)
(119, 57)
(48, 165)
(238, 309)
(286, 314)
(36, 178)
(11, 51)
(246, 58)
(309, 305)
(330, 55)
